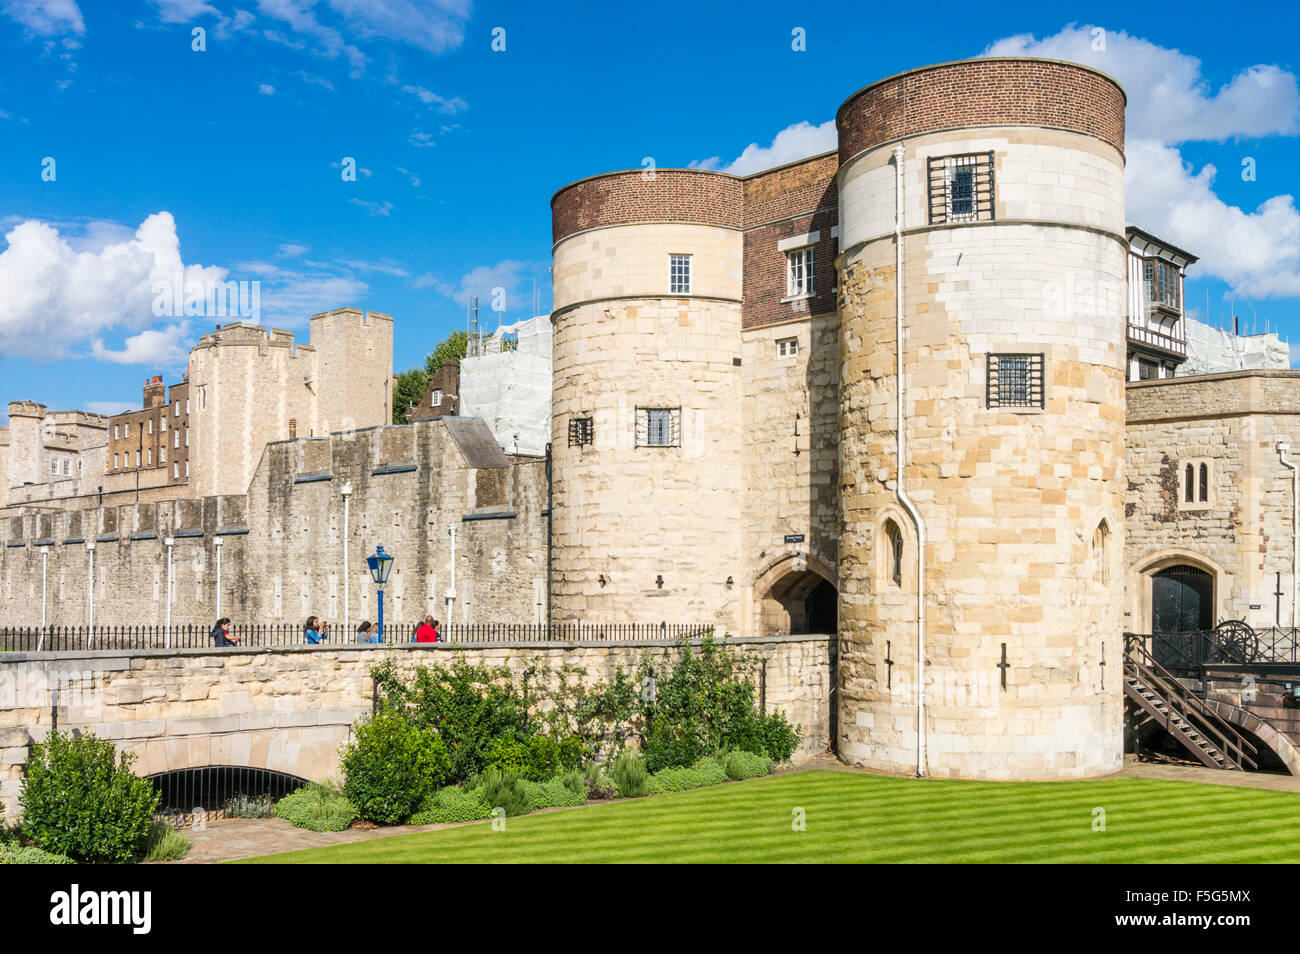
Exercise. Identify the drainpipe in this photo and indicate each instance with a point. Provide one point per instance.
(347, 499)
(451, 590)
(40, 643)
(1283, 448)
(168, 542)
(904, 500)
(90, 595)
(218, 542)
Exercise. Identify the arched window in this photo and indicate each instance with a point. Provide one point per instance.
(1190, 484)
(894, 552)
(1205, 482)
(1101, 552)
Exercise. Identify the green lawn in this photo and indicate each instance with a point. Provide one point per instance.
(866, 818)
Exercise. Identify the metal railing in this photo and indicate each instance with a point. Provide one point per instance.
(256, 635)
(1231, 642)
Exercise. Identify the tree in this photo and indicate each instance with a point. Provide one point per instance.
(408, 390)
(450, 349)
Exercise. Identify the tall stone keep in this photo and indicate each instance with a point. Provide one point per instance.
(1012, 285)
(646, 413)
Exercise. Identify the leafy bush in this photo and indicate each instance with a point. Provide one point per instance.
(553, 794)
(14, 854)
(250, 806)
(741, 765)
(391, 766)
(706, 771)
(452, 804)
(771, 735)
(165, 843)
(469, 707)
(630, 776)
(505, 790)
(82, 800)
(317, 807)
(575, 780)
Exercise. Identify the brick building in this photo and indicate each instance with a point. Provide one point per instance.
(151, 446)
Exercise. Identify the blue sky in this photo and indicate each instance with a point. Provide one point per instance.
(230, 160)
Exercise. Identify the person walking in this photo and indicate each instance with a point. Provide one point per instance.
(317, 630)
(220, 634)
(427, 631)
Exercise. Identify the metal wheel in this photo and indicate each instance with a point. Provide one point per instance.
(1234, 642)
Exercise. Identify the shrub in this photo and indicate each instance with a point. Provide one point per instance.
(317, 807)
(575, 780)
(553, 794)
(82, 800)
(470, 708)
(630, 776)
(250, 806)
(505, 790)
(599, 784)
(15, 854)
(707, 771)
(391, 766)
(778, 737)
(165, 843)
(741, 765)
(452, 804)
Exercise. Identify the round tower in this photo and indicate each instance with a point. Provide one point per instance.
(646, 411)
(982, 213)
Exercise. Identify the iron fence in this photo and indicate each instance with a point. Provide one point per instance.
(197, 635)
(1231, 642)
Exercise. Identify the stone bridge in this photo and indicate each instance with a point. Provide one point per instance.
(289, 709)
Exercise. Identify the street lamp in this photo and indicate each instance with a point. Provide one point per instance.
(379, 565)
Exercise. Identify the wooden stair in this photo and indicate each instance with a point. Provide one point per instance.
(1155, 695)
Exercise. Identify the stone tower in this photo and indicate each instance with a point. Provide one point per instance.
(647, 398)
(26, 461)
(982, 211)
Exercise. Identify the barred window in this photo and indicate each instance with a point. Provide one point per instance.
(961, 188)
(799, 271)
(679, 274)
(659, 427)
(1014, 380)
(581, 431)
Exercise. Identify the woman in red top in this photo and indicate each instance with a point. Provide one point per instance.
(428, 631)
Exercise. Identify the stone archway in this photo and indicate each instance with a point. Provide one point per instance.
(1189, 572)
(797, 594)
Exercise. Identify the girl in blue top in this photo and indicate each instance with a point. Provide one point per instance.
(317, 631)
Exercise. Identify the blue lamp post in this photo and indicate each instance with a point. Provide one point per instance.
(379, 565)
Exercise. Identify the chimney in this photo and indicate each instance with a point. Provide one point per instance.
(155, 392)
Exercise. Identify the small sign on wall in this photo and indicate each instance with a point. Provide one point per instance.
(794, 538)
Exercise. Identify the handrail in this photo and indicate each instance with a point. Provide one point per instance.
(1185, 703)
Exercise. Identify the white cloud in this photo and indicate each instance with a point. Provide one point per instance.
(384, 208)
(1169, 100)
(168, 347)
(1256, 252)
(420, 139)
(183, 11)
(799, 141)
(313, 79)
(386, 266)
(290, 296)
(449, 106)
(513, 276)
(292, 249)
(266, 89)
(435, 27)
(58, 293)
(46, 17)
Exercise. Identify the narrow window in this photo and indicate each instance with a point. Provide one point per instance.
(799, 272)
(787, 347)
(293, 431)
(679, 274)
(1101, 552)
(894, 551)
(1205, 483)
(1189, 484)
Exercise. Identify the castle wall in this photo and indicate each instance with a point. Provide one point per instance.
(282, 543)
(1241, 534)
(1013, 500)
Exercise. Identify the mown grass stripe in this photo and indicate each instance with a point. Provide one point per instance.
(854, 817)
